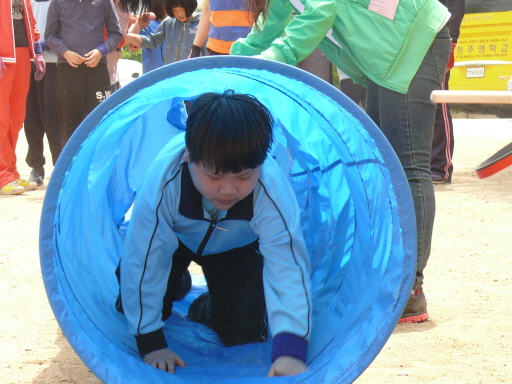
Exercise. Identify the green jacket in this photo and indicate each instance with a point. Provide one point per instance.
(360, 42)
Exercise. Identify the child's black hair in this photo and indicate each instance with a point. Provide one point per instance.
(228, 132)
(158, 8)
(189, 5)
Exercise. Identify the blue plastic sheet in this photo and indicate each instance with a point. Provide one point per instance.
(357, 218)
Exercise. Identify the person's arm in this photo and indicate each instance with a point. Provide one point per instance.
(202, 30)
(133, 40)
(145, 266)
(279, 15)
(52, 31)
(53, 39)
(286, 271)
(39, 60)
(456, 9)
(141, 22)
(287, 366)
(114, 36)
(301, 35)
(164, 359)
(139, 27)
(114, 33)
(152, 40)
(38, 51)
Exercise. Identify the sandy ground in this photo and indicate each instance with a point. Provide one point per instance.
(468, 338)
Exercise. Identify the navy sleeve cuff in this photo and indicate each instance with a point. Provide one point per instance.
(103, 49)
(150, 342)
(37, 48)
(288, 344)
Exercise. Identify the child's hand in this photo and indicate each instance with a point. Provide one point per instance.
(287, 366)
(145, 19)
(73, 58)
(133, 40)
(164, 359)
(93, 58)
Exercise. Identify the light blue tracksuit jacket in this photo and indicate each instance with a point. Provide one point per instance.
(168, 208)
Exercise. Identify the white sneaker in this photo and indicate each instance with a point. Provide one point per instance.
(25, 183)
(12, 189)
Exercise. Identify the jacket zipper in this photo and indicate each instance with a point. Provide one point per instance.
(207, 236)
(181, 41)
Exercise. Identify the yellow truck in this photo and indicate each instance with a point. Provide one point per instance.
(483, 56)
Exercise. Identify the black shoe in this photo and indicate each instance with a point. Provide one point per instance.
(200, 309)
(438, 179)
(37, 176)
(185, 286)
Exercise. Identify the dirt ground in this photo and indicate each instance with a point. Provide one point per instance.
(468, 338)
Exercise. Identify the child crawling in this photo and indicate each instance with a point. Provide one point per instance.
(226, 205)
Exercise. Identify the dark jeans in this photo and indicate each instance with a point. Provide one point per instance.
(41, 117)
(407, 121)
(356, 92)
(442, 143)
(317, 64)
(79, 91)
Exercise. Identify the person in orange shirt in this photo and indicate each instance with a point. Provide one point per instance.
(223, 22)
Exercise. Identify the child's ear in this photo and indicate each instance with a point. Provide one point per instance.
(186, 156)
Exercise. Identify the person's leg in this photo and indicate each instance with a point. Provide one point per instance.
(407, 120)
(71, 83)
(442, 143)
(48, 107)
(17, 103)
(178, 284)
(356, 92)
(235, 284)
(6, 86)
(362, 96)
(317, 64)
(114, 87)
(373, 102)
(98, 86)
(34, 127)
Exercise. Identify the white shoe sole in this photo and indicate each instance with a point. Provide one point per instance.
(13, 192)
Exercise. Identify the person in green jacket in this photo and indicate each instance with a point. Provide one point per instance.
(398, 49)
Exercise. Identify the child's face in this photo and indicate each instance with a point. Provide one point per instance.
(181, 14)
(223, 190)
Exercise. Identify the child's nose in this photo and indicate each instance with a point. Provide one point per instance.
(228, 188)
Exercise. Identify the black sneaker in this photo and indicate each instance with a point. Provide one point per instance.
(200, 309)
(438, 179)
(416, 309)
(37, 176)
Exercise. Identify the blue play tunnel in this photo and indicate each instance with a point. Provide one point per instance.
(357, 218)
